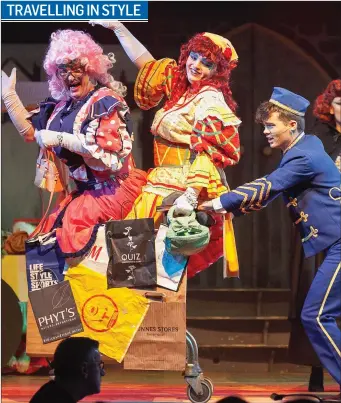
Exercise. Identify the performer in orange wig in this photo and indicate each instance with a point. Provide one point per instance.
(195, 132)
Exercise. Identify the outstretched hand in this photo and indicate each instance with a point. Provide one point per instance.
(206, 206)
(8, 82)
(110, 24)
(48, 138)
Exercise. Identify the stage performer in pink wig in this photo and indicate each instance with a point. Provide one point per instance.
(195, 132)
(86, 125)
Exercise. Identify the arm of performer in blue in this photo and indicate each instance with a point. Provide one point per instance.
(310, 184)
(258, 193)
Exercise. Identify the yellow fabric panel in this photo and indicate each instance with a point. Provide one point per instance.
(231, 264)
(145, 207)
(13, 271)
(170, 154)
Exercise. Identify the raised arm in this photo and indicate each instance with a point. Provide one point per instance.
(15, 108)
(134, 49)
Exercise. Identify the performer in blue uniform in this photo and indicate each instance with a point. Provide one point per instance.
(310, 184)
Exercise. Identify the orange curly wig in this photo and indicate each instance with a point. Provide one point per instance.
(220, 80)
(323, 102)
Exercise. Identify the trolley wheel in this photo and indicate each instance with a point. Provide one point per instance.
(207, 390)
(210, 382)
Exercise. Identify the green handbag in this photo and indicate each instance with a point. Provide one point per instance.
(185, 236)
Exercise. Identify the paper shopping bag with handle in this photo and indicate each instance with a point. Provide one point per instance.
(160, 342)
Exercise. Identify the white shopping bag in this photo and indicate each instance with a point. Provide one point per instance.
(170, 268)
(97, 258)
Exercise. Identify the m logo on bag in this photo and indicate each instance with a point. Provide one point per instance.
(100, 313)
(94, 253)
(55, 312)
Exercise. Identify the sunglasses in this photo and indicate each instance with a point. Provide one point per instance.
(64, 73)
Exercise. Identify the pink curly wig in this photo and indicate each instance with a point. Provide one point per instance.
(220, 80)
(323, 102)
(66, 45)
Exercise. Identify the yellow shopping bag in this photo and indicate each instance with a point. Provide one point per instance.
(112, 317)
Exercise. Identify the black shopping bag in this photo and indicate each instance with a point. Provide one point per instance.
(131, 246)
(44, 266)
(55, 312)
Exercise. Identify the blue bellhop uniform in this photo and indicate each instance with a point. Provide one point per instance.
(310, 184)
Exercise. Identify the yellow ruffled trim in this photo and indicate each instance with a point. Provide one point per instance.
(203, 174)
(212, 103)
(152, 84)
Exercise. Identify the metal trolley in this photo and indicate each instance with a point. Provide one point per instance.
(200, 388)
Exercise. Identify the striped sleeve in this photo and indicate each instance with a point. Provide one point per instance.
(259, 193)
(219, 142)
(154, 81)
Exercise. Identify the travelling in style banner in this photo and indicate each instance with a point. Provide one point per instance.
(23, 10)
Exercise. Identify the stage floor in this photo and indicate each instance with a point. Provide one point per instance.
(167, 387)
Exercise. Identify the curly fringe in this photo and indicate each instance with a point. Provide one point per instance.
(66, 45)
(323, 102)
(220, 80)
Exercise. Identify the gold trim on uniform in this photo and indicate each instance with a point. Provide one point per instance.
(337, 190)
(245, 195)
(294, 142)
(303, 217)
(293, 202)
(332, 342)
(255, 193)
(287, 108)
(313, 233)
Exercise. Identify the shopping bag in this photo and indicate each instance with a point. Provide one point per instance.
(44, 266)
(132, 253)
(47, 175)
(160, 343)
(112, 317)
(97, 258)
(170, 268)
(55, 312)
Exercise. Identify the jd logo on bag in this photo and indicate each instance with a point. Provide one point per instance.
(44, 267)
(131, 245)
(112, 317)
(55, 312)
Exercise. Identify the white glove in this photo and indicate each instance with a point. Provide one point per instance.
(14, 106)
(48, 138)
(51, 138)
(110, 24)
(134, 49)
(8, 83)
(186, 203)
